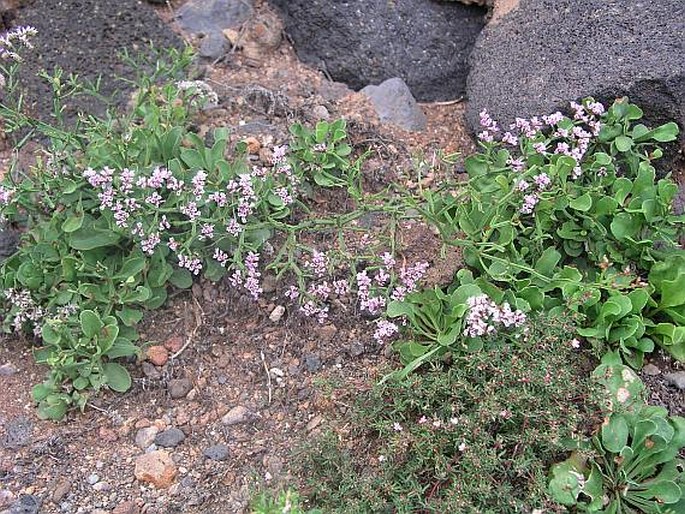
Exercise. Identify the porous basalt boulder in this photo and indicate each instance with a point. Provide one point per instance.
(361, 42)
(545, 53)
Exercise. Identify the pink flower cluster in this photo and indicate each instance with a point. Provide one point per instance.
(25, 309)
(385, 330)
(372, 288)
(169, 211)
(250, 281)
(484, 317)
(6, 195)
(530, 200)
(551, 134)
(574, 142)
(12, 40)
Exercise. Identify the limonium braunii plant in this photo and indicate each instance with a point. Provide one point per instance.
(116, 213)
(370, 289)
(567, 180)
(568, 213)
(198, 215)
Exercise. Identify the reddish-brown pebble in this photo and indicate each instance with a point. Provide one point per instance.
(156, 468)
(157, 355)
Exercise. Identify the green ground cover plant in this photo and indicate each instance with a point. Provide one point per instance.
(476, 434)
(121, 208)
(632, 464)
(567, 213)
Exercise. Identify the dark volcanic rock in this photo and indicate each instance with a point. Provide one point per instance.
(9, 239)
(26, 504)
(361, 42)
(85, 37)
(204, 17)
(545, 53)
(216, 452)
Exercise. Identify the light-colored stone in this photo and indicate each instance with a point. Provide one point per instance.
(651, 369)
(146, 436)
(6, 497)
(395, 104)
(61, 490)
(156, 468)
(128, 507)
(277, 313)
(237, 415)
(179, 388)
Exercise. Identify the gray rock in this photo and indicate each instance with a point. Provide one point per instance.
(101, 487)
(356, 348)
(61, 490)
(151, 371)
(676, 379)
(93, 479)
(18, 433)
(146, 436)
(333, 91)
(545, 53)
(205, 17)
(179, 388)
(236, 416)
(170, 438)
(9, 239)
(217, 452)
(321, 113)
(362, 42)
(213, 45)
(7, 370)
(6, 498)
(26, 504)
(313, 362)
(650, 369)
(395, 104)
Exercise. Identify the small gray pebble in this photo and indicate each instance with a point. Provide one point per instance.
(676, 379)
(217, 452)
(7, 370)
(179, 388)
(26, 504)
(651, 370)
(356, 348)
(150, 371)
(170, 438)
(146, 436)
(313, 362)
(93, 479)
(237, 415)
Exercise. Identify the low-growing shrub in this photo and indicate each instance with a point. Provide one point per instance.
(474, 435)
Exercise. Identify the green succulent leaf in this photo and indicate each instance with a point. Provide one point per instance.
(117, 377)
